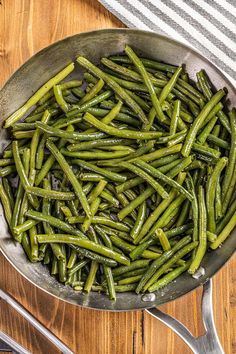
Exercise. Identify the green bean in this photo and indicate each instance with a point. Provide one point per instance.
(175, 117)
(139, 264)
(169, 277)
(124, 133)
(161, 153)
(93, 92)
(8, 190)
(161, 236)
(97, 191)
(77, 266)
(99, 220)
(225, 232)
(91, 177)
(205, 150)
(170, 85)
(168, 167)
(116, 87)
(157, 174)
(201, 249)
(206, 131)
(218, 201)
(211, 193)
(6, 204)
(22, 175)
(127, 72)
(93, 102)
(53, 221)
(70, 175)
(178, 230)
(60, 99)
(157, 212)
(156, 264)
(148, 82)
(224, 120)
(147, 62)
(40, 153)
(108, 174)
(17, 115)
(87, 145)
(195, 208)
(211, 237)
(198, 122)
(50, 161)
(138, 251)
(51, 131)
(141, 173)
(128, 248)
(94, 256)
(6, 162)
(92, 155)
(152, 284)
(51, 194)
(110, 282)
(33, 243)
(219, 142)
(91, 276)
(7, 170)
(90, 245)
(181, 166)
(27, 225)
(139, 221)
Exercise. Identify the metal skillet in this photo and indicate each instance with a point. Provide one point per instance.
(25, 81)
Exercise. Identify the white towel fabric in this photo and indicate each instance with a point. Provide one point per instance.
(207, 25)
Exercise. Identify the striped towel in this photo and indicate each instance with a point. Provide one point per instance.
(207, 25)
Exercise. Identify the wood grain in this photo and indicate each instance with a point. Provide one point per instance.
(26, 26)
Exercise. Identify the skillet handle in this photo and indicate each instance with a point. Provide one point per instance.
(32, 320)
(208, 343)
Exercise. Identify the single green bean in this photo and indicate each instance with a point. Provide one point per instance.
(70, 175)
(17, 115)
(201, 249)
(198, 122)
(90, 245)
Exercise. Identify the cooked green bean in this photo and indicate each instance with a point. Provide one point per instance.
(157, 174)
(156, 264)
(6, 204)
(53, 221)
(198, 122)
(175, 117)
(201, 249)
(93, 92)
(90, 245)
(16, 116)
(141, 173)
(148, 82)
(158, 211)
(100, 220)
(124, 133)
(169, 277)
(114, 86)
(20, 169)
(211, 193)
(108, 174)
(70, 175)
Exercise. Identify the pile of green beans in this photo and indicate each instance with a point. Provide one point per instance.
(125, 176)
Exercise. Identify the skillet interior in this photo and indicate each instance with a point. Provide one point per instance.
(36, 71)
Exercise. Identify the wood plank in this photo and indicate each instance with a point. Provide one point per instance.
(26, 26)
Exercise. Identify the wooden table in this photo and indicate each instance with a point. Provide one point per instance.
(26, 26)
